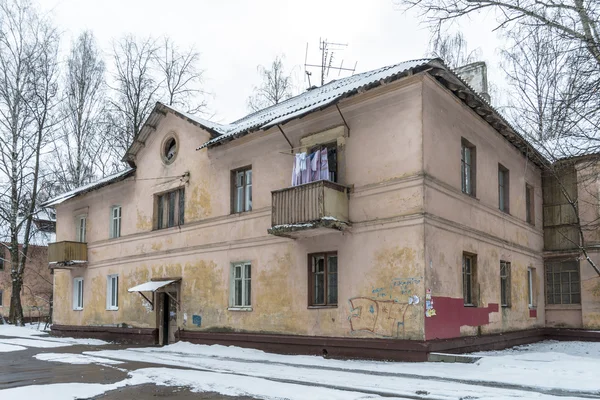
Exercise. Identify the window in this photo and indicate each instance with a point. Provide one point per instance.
(1, 261)
(503, 186)
(562, 282)
(469, 278)
(529, 204)
(170, 209)
(115, 222)
(241, 290)
(78, 294)
(169, 150)
(530, 287)
(112, 292)
(504, 283)
(467, 164)
(323, 282)
(80, 225)
(1, 298)
(242, 190)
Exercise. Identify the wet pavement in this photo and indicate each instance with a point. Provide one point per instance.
(21, 368)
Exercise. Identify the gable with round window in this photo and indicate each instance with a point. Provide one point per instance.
(169, 149)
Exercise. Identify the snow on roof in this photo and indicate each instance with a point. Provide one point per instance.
(312, 100)
(151, 286)
(89, 187)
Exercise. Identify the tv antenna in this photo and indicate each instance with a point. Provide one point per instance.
(328, 51)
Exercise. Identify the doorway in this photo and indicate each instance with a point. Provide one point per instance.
(166, 317)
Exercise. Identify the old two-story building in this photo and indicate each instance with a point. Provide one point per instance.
(386, 214)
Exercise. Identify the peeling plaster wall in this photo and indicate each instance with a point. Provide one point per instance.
(457, 223)
(380, 260)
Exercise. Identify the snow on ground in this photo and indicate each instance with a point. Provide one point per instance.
(67, 391)
(43, 344)
(74, 358)
(573, 373)
(5, 348)
(577, 349)
(30, 336)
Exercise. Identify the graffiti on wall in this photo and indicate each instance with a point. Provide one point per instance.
(383, 313)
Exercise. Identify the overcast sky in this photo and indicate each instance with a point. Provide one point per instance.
(235, 36)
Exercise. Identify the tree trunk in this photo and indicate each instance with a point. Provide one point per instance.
(15, 315)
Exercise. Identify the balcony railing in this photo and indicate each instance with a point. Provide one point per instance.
(67, 254)
(309, 207)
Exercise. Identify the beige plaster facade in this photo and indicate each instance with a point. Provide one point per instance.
(399, 260)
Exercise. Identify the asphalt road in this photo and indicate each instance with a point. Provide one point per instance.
(20, 368)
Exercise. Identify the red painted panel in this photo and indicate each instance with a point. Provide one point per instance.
(451, 314)
(532, 313)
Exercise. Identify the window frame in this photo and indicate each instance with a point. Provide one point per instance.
(1, 297)
(503, 189)
(468, 175)
(78, 288)
(529, 204)
(505, 284)
(165, 216)
(1, 260)
(469, 301)
(115, 222)
(245, 286)
(530, 287)
(246, 191)
(78, 228)
(326, 280)
(110, 279)
(550, 286)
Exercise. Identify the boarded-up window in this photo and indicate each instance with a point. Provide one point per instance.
(505, 283)
(503, 189)
(529, 204)
(467, 167)
(563, 285)
(170, 209)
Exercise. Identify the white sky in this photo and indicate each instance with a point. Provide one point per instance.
(235, 36)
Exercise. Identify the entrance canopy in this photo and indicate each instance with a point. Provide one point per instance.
(151, 286)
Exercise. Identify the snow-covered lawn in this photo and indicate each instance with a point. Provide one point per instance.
(539, 371)
(14, 338)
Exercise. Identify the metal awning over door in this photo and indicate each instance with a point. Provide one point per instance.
(152, 286)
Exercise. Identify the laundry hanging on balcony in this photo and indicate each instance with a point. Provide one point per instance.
(310, 167)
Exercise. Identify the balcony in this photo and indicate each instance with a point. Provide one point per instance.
(310, 209)
(67, 255)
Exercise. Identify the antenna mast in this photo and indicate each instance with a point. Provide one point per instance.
(328, 50)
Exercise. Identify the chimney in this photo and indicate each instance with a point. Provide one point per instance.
(475, 74)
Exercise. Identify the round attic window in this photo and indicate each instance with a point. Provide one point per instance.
(169, 152)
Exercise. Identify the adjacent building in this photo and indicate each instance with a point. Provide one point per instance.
(36, 296)
(386, 214)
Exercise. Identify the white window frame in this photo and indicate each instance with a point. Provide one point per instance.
(530, 278)
(115, 222)
(246, 282)
(112, 296)
(78, 294)
(81, 228)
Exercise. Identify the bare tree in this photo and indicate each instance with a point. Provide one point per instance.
(28, 68)
(181, 76)
(453, 49)
(276, 86)
(136, 88)
(80, 144)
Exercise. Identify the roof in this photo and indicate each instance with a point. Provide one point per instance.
(119, 176)
(160, 111)
(315, 99)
